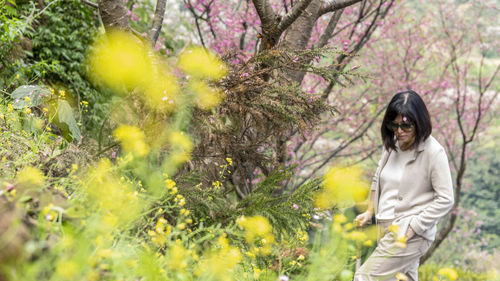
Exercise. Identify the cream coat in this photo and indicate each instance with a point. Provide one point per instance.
(426, 189)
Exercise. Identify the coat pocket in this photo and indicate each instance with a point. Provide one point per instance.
(402, 225)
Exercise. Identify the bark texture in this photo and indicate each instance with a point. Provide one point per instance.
(113, 14)
(154, 32)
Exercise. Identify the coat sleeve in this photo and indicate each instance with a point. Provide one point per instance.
(377, 173)
(443, 194)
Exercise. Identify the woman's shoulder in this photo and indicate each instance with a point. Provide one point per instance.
(431, 145)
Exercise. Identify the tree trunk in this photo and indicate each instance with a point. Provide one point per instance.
(113, 14)
(298, 34)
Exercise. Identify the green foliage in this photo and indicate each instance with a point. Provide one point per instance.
(28, 96)
(50, 46)
(65, 120)
(28, 138)
(428, 272)
(42, 98)
(214, 204)
(483, 193)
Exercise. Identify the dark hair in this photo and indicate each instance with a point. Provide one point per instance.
(410, 105)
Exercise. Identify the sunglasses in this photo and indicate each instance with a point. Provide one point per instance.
(406, 127)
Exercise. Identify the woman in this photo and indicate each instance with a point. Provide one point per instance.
(411, 190)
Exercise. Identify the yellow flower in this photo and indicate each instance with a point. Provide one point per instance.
(341, 186)
(110, 197)
(219, 263)
(401, 276)
(400, 242)
(30, 176)
(206, 97)
(182, 202)
(105, 253)
(184, 212)
(178, 257)
(179, 139)
(339, 218)
(257, 227)
(493, 274)
(368, 243)
(394, 228)
(357, 236)
(161, 90)
(132, 140)
(170, 184)
(337, 227)
(217, 184)
(67, 269)
(201, 63)
(121, 59)
(229, 161)
(27, 110)
(302, 236)
(448, 273)
(51, 216)
(10, 108)
(27, 99)
(348, 226)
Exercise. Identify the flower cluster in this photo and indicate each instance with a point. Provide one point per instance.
(30, 176)
(161, 232)
(132, 140)
(447, 273)
(258, 234)
(341, 187)
(362, 238)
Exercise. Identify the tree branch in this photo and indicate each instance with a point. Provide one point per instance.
(290, 17)
(337, 5)
(154, 32)
(91, 4)
(196, 18)
(265, 11)
(332, 24)
(341, 147)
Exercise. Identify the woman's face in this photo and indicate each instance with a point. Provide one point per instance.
(405, 133)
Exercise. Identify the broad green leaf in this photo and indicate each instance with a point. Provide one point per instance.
(34, 93)
(66, 117)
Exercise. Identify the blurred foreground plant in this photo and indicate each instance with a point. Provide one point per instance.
(130, 218)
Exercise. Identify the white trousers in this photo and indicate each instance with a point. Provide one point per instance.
(387, 260)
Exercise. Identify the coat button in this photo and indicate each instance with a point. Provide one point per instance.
(400, 198)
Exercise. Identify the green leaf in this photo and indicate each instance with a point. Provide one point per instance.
(35, 94)
(25, 199)
(10, 10)
(65, 116)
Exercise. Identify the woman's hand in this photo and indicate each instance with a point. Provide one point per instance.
(363, 219)
(409, 233)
